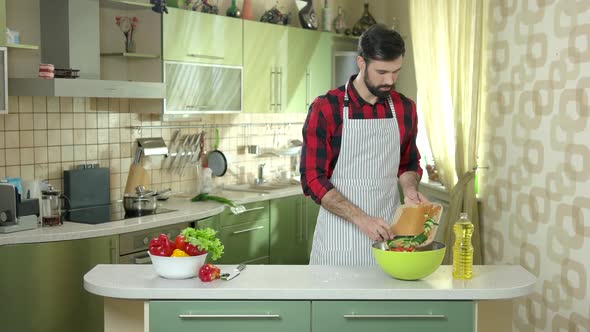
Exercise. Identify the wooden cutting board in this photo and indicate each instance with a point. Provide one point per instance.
(409, 219)
(138, 176)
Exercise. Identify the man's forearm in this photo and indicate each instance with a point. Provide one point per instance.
(334, 202)
(408, 181)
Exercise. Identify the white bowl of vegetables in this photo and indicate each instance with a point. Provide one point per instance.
(183, 257)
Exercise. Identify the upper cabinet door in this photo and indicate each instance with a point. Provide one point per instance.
(319, 72)
(204, 38)
(265, 56)
(3, 22)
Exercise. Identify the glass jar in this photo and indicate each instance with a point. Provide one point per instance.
(51, 207)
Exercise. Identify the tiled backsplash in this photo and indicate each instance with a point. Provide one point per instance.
(43, 136)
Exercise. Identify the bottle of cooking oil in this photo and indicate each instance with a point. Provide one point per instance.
(463, 249)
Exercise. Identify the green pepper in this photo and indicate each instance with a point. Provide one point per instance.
(207, 197)
(413, 241)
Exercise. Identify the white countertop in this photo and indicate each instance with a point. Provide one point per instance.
(186, 211)
(304, 282)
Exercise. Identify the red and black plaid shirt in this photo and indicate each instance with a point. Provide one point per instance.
(322, 133)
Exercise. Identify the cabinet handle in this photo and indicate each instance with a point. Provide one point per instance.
(276, 87)
(248, 230)
(355, 316)
(272, 102)
(198, 106)
(205, 56)
(279, 84)
(254, 209)
(142, 260)
(264, 316)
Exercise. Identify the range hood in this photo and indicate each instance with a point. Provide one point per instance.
(70, 38)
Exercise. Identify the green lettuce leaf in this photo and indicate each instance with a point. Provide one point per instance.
(204, 239)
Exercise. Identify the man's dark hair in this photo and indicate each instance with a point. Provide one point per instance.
(381, 43)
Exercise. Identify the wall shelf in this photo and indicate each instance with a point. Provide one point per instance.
(23, 46)
(132, 55)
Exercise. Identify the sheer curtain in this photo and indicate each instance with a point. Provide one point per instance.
(449, 39)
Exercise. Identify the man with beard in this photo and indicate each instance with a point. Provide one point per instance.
(359, 140)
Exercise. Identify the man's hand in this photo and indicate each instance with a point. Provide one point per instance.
(409, 183)
(412, 196)
(375, 228)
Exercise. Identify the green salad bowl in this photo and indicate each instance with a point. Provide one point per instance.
(409, 265)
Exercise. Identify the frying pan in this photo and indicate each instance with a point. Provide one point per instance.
(216, 160)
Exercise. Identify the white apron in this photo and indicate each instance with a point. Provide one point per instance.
(366, 174)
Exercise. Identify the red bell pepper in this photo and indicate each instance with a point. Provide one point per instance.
(161, 246)
(181, 243)
(209, 272)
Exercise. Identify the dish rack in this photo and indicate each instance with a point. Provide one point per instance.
(66, 73)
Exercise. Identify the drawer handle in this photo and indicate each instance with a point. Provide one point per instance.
(254, 209)
(143, 260)
(205, 56)
(248, 230)
(252, 316)
(355, 316)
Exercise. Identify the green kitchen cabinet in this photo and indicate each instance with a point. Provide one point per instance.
(211, 222)
(286, 70)
(292, 223)
(245, 242)
(353, 316)
(319, 71)
(245, 235)
(265, 59)
(244, 316)
(190, 36)
(44, 285)
(309, 69)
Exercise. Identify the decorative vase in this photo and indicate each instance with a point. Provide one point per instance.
(307, 16)
(364, 22)
(233, 10)
(247, 12)
(339, 25)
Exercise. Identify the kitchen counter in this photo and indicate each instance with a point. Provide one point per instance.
(309, 298)
(186, 211)
(305, 282)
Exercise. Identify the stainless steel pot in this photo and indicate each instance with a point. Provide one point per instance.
(142, 202)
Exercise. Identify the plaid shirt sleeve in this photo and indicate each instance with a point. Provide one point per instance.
(408, 124)
(316, 151)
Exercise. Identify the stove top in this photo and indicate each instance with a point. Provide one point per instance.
(106, 213)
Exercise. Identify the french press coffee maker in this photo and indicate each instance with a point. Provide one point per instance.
(51, 207)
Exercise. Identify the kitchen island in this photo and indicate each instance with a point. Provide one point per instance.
(308, 298)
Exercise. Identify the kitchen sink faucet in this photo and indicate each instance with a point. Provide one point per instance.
(260, 179)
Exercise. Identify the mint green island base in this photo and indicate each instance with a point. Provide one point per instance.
(308, 298)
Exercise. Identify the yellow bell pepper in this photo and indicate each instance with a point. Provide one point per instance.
(179, 253)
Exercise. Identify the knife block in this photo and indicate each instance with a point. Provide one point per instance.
(138, 176)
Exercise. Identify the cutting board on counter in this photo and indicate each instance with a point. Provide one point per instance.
(138, 176)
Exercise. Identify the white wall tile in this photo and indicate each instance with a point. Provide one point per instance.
(26, 121)
(41, 155)
(25, 104)
(11, 139)
(67, 153)
(40, 121)
(52, 104)
(53, 121)
(26, 139)
(67, 137)
(67, 120)
(11, 121)
(66, 105)
(27, 156)
(39, 104)
(54, 154)
(40, 138)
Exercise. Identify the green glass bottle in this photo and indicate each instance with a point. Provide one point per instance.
(233, 10)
